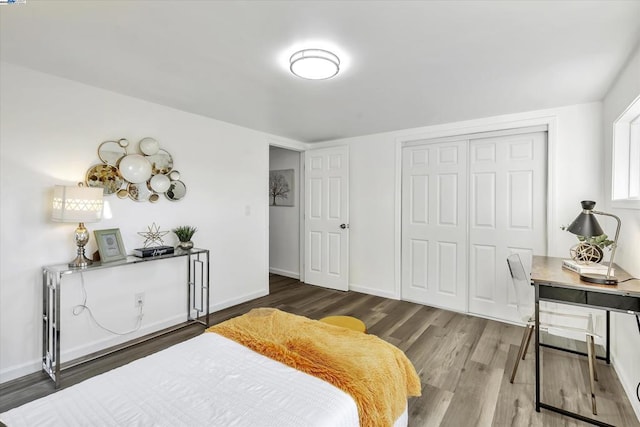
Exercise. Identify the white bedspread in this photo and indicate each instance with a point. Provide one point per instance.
(205, 381)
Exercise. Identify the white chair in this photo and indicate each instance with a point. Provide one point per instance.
(570, 325)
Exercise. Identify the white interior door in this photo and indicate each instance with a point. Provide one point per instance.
(434, 230)
(507, 214)
(327, 217)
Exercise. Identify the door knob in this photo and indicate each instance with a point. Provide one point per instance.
(343, 226)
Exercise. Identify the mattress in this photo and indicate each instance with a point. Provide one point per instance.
(208, 380)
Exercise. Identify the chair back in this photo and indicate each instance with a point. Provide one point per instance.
(522, 286)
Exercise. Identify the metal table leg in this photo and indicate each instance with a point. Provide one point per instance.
(537, 342)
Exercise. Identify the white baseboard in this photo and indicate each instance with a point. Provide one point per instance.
(235, 301)
(285, 273)
(13, 372)
(372, 291)
(628, 386)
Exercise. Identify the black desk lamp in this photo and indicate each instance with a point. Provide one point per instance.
(587, 225)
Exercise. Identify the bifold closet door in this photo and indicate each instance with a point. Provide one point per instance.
(507, 214)
(434, 228)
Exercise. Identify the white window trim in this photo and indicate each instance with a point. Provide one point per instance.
(625, 168)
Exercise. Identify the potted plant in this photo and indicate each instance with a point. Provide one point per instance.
(185, 233)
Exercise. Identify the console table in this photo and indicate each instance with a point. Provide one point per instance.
(197, 299)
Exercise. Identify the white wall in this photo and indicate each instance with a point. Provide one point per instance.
(625, 334)
(50, 129)
(284, 221)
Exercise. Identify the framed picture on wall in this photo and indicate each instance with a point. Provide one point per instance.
(281, 187)
(110, 245)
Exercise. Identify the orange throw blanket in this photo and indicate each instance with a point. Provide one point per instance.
(376, 374)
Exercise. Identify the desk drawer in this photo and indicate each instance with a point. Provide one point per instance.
(595, 299)
(571, 296)
(614, 302)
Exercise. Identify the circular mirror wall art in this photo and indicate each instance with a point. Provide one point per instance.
(138, 176)
(135, 168)
(139, 192)
(161, 162)
(176, 191)
(149, 146)
(110, 152)
(106, 177)
(159, 183)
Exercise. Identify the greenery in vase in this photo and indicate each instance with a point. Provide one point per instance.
(184, 232)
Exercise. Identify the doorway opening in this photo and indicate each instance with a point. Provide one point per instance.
(285, 201)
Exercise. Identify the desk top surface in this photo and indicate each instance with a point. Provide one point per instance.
(548, 270)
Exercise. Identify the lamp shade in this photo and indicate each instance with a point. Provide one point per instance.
(586, 223)
(76, 204)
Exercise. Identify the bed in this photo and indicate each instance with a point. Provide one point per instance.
(219, 378)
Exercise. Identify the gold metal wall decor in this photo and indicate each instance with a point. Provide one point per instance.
(138, 175)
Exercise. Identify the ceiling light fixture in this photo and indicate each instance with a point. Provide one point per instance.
(314, 64)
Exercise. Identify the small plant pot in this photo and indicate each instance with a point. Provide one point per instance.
(185, 245)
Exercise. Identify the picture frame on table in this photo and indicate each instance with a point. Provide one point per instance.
(110, 246)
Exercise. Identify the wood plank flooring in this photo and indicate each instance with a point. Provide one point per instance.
(464, 362)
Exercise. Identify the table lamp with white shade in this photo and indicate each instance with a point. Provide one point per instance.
(78, 204)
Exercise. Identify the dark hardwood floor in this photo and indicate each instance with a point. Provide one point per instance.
(464, 362)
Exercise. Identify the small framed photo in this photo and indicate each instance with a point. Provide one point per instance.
(110, 245)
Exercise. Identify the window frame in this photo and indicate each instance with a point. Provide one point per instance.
(625, 167)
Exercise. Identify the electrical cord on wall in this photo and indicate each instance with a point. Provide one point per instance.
(78, 309)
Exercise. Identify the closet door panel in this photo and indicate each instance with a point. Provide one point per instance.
(434, 238)
(507, 213)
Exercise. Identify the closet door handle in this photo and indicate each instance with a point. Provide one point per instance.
(343, 226)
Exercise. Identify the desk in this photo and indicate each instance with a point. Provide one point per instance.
(198, 300)
(557, 284)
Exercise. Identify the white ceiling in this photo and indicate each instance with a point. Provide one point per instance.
(405, 64)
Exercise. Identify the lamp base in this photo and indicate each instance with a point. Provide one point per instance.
(81, 237)
(80, 261)
(601, 279)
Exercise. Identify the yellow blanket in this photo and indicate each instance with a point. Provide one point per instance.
(375, 373)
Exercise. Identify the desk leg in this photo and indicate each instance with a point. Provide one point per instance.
(608, 338)
(537, 333)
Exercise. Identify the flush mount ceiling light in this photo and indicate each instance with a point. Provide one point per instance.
(314, 64)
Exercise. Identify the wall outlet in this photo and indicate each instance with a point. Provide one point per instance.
(139, 300)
